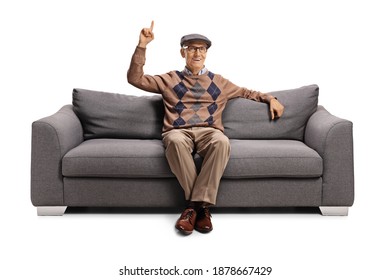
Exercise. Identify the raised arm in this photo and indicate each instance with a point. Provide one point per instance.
(135, 74)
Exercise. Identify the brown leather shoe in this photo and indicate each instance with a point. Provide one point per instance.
(203, 220)
(185, 224)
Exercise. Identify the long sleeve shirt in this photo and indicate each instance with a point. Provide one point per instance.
(189, 100)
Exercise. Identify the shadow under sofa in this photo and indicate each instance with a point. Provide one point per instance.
(105, 150)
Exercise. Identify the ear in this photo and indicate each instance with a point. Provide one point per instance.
(183, 55)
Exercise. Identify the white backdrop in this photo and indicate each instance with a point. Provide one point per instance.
(50, 47)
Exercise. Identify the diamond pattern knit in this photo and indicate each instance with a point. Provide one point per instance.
(195, 96)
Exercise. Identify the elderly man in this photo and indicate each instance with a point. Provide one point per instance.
(194, 100)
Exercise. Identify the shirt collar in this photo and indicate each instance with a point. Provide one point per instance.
(188, 71)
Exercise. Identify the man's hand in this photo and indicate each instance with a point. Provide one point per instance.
(146, 36)
(276, 108)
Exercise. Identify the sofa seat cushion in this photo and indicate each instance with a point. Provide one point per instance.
(146, 159)
(272, 158)
(128, 158)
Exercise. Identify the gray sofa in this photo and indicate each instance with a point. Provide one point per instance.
(105, 150)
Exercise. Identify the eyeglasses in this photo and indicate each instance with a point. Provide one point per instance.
(192, 49)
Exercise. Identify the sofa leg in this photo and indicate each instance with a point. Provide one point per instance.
(51, 210)
(334, 211)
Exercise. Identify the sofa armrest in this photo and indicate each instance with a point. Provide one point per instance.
(52, 137)
(332, 138)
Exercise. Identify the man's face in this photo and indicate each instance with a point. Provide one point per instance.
(195, 55)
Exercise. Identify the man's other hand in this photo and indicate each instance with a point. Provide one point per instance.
(276, 108)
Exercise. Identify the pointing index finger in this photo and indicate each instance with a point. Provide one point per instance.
(152, 25)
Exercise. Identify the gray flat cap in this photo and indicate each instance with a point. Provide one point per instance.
(194, 37)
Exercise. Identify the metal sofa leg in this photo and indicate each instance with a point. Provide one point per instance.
(51, 210)
(334, 211)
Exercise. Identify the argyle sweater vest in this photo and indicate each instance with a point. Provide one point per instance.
(189, 101)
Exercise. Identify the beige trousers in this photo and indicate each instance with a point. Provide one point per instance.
(212, 145)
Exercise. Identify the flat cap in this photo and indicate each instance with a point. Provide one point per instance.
(195, 37)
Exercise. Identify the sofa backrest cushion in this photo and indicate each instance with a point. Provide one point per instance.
(112, 115)
(245, 119)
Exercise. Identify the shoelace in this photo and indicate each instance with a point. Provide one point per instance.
(188, 214)
(205, 211)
